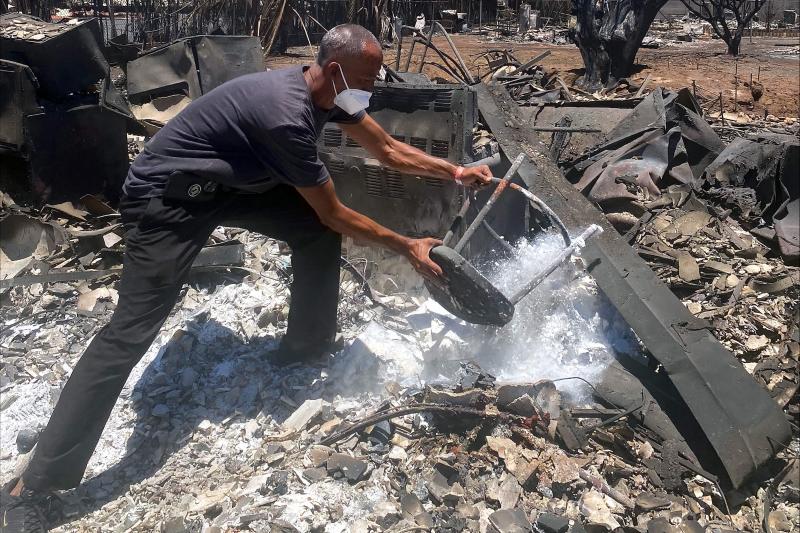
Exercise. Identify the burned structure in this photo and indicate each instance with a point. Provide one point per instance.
(63, 121)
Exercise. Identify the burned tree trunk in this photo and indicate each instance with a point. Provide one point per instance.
(735, 43)
(714, 12)
(609, 35)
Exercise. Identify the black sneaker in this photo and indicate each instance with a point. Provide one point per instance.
(30, 512)
(285, 356)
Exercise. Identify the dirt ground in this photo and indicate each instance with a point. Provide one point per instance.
(673, 66)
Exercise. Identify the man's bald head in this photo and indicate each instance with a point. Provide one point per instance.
(345, 43)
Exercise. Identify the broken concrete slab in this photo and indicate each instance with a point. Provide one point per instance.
(470, 398)
(442, 491)
(593, 506)
(303, 415)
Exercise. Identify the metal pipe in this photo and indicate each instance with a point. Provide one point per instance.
(457, 54)
(538, 203)
(411, 50)
(499, 238)
(449, 61)
(490, 161)
(490, 202)
(565, 254)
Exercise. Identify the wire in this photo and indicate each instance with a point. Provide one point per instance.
(594, 389)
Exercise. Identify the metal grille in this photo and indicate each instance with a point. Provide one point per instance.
(332, 136)
(373, 180)
(440, 148)
(335, 167)
(351, 142)
(419, 142)
(434, 183)
(394, 184)
(413, 99)
(436, 119)
(443, 101)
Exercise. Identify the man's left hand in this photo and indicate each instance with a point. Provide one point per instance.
(476, 176)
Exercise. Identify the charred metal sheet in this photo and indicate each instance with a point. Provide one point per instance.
(17, 99)
(604, 119)
(224, 254)
(118, 51)
(66, 59)
(192, 66)
(89, 154)
(94, 159)
(742, 428)
(54, 78)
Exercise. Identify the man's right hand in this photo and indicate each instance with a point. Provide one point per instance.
(418, 255)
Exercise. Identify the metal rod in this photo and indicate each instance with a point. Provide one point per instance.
(533, 61)
(565, 254)
(642, 86)
(399, 37)
(410, 53)
(499, 238)
(564, 128)
(452, 64)
(456, 221)
(490, 203)
(425, 50)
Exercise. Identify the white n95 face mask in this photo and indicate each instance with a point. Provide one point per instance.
(351, 101)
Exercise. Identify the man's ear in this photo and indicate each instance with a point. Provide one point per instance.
(331, 69)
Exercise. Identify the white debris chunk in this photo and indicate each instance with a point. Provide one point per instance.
(303, 415)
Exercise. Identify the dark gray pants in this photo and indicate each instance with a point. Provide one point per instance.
(162, 239)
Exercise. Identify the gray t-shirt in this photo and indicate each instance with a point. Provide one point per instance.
(250, 133)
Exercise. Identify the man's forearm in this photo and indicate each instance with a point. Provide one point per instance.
(410, 160)
(353, 224)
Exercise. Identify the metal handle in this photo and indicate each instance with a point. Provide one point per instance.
(489, 203)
